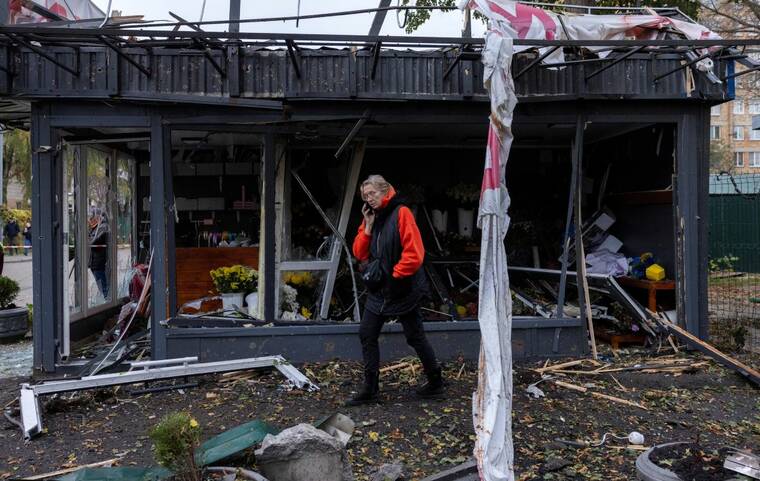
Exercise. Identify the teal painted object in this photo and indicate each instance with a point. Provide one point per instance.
(734, 230)
(219, 447)
(117, 474)
(232, 441)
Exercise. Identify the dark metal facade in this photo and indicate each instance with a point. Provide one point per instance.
(531, 338)
(267, 85)
(247, 74)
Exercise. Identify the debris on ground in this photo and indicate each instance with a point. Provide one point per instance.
(428, 437)
(388, 472)
(693, 461)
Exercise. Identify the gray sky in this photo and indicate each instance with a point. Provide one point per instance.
(440, 24)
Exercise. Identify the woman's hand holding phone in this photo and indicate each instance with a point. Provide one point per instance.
(369, 218)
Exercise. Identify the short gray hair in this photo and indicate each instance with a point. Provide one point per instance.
(378, 181)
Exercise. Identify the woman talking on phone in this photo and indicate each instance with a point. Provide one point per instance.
(390, 249)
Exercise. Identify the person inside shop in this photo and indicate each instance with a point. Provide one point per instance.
(11, 232)
(390, 250)
(98, 261)
(27, 238)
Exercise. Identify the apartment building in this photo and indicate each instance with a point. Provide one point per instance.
(731, 123)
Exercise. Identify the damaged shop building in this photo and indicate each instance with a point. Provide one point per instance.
(195, 150)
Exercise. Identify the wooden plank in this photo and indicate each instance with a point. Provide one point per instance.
(714, 353)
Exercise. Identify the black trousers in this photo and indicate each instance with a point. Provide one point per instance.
(369, 332)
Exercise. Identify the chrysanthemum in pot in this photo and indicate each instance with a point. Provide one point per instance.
(233, 283)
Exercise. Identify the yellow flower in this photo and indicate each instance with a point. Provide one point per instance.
(296, 279)
(305, 312)
(373, 436)
(193, 423)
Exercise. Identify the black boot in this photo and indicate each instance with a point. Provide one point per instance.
(434, 387)
(369, 392)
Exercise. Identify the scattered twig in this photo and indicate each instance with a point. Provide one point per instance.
(99, 464)
(599, 395)
(401, 365)
(623, 388)
(560, 366)
(461, 371)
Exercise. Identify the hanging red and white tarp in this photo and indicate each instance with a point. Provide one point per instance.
(508, 20)
(522, 21)
(68, 9)
(492, 402)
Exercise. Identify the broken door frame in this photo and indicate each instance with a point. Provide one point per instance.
(330, 266)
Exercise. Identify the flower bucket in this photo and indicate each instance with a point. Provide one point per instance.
(252, 301)
(440, 220)
(232, 298)
(464, 218)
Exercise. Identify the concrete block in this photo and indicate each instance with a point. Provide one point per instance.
(303, 453)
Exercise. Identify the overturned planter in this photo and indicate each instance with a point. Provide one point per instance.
(13, 322)
(303, 453)
(647, 470)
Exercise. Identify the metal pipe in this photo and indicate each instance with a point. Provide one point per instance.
(108, 15)
(379, 9)
(364, 39)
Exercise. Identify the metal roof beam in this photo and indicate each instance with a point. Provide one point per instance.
(295, 57)
(375, 57)
(18, 38)
(680, 67)
(110, 44)
(368, 39)
(535, 62)
(379, 19)
(614, 62)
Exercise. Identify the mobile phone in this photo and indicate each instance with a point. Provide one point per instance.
(367, 206)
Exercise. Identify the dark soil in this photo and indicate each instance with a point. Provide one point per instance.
(427, 436)
(693, 462)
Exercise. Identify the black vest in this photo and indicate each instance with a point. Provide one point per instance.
(386, 246)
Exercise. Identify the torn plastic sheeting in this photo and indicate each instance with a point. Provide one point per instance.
(337, 425)
(528, 22)
(492, 402)
(156, 473)
(233, 441)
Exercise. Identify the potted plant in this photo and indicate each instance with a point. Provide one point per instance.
(233, 282)
(13, 320)
(466, 197)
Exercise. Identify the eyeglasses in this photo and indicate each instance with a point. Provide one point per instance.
(371, 193)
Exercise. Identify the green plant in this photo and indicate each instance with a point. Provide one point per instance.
(465, 194)
(235, 278)
(22, 216)
(8, 292)
(725, 263)
(30, 312)
(175, 439)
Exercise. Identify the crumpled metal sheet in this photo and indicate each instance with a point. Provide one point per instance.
(233, 441)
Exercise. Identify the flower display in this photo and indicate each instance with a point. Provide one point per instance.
(465, 194)
(288, 300)
(299, 278)
(235, 278)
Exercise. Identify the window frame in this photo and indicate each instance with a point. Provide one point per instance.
(715, 132)
(754, 159)
(737, 129)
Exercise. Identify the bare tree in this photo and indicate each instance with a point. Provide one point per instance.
(737, 19)
(732, 18)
